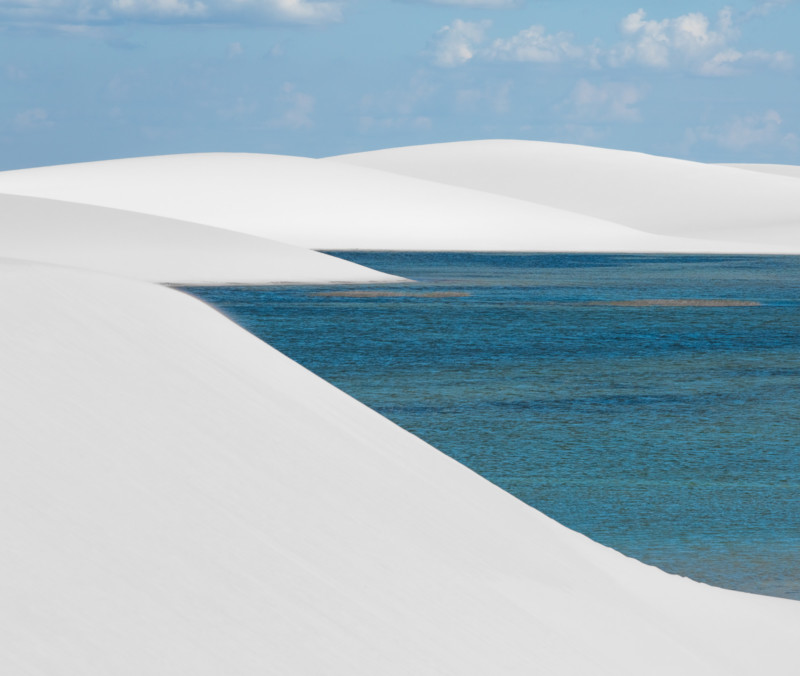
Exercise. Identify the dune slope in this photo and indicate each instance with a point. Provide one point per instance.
(790, 170)
(656, 194)
(177, 497)
(159, 249)
(332, 205)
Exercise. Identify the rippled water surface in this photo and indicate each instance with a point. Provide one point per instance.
(668, 431)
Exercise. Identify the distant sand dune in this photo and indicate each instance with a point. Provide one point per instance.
(332, 204)
(655, 194)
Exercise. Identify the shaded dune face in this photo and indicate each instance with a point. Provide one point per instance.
(174, 491)
(655, 194)
(318, 204)
(500, 199)
(790, 170)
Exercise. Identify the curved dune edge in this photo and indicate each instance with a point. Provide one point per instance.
(791, 170)
(660, 195)
(175, 492)
(159, 249)
(331, 205)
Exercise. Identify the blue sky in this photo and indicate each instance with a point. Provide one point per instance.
(96, 79)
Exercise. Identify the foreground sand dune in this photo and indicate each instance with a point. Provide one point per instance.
(159, 249)
(323, 204)
(177, 497)
(655, 194)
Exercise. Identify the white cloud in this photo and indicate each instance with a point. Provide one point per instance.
(455, 44)
(459, 42)
(761, 130)
(235, 49)
(34, 118)
(609, 101)
(689, 41)
(298, 107)
(93, 12)
(485, 4)
(659, 43)
(729, 61)
(765, 8)
(302, 10)
(535, 45)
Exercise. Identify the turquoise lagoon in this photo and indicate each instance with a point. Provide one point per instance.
(670, 433)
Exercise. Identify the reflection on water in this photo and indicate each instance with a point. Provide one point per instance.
(666, 430)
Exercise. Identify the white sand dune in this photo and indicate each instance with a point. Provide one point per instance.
(656, 194)
(159, 249)
(323, 204)
(791, 170)
(177, 497)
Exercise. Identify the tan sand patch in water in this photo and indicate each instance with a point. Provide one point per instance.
(392, 294)
(678, 302)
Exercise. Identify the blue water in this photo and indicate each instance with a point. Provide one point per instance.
(668, 433)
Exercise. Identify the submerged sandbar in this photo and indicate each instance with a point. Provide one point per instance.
(678, 302)
(393, 294)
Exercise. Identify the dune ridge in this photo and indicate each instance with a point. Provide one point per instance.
(157, 249)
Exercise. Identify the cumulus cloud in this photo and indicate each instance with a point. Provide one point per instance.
(535, 45)
(765, 8)
(94, 12)
(658, 43)
(460, 42)
(730, 61)
(484, 4)
(609, 101)
(690, 41)
(456, 43)
(762, 130)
